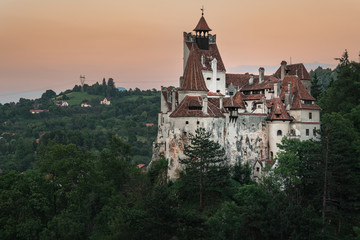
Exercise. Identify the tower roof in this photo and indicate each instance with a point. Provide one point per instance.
(193, 77)
(202, 25)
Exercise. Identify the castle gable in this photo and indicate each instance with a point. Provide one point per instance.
(191, 106)
(297, 69)
(193, 77)
(278, 111)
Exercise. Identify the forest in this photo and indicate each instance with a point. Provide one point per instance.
(81, 180)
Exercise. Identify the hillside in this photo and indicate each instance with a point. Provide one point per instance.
(22, 134)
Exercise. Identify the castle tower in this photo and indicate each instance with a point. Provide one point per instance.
(202, 34)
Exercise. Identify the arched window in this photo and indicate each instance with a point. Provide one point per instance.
(279, 133)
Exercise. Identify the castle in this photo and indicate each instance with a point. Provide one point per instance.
(247, 114)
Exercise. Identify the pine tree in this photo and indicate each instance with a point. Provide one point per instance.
(315, 87)
(205, 165)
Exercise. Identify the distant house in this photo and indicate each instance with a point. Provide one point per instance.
(62, 103)
(105, 101)
(37, 111)
(142, 167)
(85, 104)
(149, 124)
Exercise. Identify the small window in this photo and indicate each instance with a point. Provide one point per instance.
(187, 122)
(258, 169)
(259, 106)
(217, 91)
(307, 132)
(279, 133)
(231, 93)
(185, 134)
(271, 155)
(209, 78)
(310, 115)
(314, 131)
(218, 79)
(277, 115)
(198, 122)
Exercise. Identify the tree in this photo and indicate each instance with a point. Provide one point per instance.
(48, 95)
(344, 60)
(111, 83)
(205, 164)
(315, 87)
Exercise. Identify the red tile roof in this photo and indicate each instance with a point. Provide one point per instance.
(231, 102)
(193, 77)
(268, 83)
(195, 101)
(209, 55)
(295, 69)
(278, 111)
(202, 25)
(238, 80)
(141, 165)
(253, 96)
(238, 97)
(299, 94)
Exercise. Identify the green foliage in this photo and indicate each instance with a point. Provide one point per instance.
(344, 93)
(315, 87)
(205, 166)
(158, 172)
(241, 173)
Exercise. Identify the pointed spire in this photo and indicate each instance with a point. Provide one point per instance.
(202, 25)
(193, 77)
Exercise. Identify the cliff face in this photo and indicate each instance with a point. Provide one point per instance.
(243, 139)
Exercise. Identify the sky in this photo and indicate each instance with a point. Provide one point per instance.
(48, 44)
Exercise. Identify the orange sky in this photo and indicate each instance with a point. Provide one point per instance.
(47, 44)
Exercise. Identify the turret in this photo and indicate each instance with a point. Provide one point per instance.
(202, 33)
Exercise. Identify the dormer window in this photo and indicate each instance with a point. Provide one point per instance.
(277, 115)
(308, 102)
(203, 60)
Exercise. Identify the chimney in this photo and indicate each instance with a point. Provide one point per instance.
(173, 99)
(287, 101)
(276, 90)
(205, 104)
(261, 74)
(221, 103)
(214, 77)
(181, 81)
(290, 92)
(251, 80)
(283, 66)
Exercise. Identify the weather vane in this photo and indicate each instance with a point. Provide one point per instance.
(202, 10)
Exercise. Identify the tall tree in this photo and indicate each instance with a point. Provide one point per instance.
(315, 87)
(205, 164)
